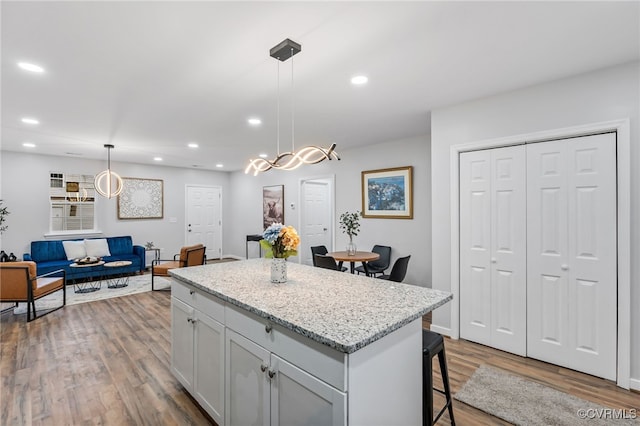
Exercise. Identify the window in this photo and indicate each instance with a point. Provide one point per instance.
(72, 199)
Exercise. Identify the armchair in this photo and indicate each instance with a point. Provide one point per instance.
(19, 283)
(188, 256)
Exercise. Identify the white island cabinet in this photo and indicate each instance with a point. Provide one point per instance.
(324, 348)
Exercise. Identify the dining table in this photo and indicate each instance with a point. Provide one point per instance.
(358, 256)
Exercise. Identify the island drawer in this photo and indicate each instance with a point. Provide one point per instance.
(321, 361)
(205, 303)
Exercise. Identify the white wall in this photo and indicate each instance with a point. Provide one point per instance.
(25, 192)
(404, 236)
(608, 94)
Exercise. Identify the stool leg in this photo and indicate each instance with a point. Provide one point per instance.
(442, 358)
(427, 391)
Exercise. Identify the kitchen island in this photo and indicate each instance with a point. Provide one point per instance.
(323, 348)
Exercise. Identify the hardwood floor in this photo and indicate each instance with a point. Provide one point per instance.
(107, 362)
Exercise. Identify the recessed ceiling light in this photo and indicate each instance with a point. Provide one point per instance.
(30, 67)
(192, 145)
(29, 145)
(219, 165)
(28, 120)
(157, 158)
(359, 79)
(254, 121)
(263, 155)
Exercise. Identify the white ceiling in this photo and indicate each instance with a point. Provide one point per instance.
(149, 77)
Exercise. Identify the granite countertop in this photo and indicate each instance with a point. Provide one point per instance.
(338, 309)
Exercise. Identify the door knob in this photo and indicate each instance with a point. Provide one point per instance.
(494, 260)
(324, 229)
(564, 267)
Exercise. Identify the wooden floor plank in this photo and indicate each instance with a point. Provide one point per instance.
(108, 362)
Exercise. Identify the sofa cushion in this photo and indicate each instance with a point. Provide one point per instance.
(97, 247)
(120, 245)
(74, 249)
(43, 251)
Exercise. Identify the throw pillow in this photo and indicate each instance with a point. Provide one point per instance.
(97, 247)
(74, 249)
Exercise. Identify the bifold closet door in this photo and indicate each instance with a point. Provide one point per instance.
(493, 248)
(571, 246)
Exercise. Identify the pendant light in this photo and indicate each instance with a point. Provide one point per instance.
(111, 180)
(290, 160)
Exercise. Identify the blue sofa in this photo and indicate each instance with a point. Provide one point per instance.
(50, 256)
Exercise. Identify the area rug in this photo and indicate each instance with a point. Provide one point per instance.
(137, 284)
(523, 402)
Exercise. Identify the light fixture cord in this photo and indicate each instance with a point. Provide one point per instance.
(293, 149)
(278, 118)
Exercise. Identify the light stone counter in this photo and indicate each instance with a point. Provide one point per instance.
(340, 310)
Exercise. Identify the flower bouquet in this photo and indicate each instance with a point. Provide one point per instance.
(279, 242)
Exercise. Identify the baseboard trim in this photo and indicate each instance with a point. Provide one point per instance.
(445, 331)
(634, 384)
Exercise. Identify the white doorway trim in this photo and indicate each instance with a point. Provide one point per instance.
(622, 128)
(332, 200)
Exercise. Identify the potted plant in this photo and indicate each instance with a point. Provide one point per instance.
(350, 224)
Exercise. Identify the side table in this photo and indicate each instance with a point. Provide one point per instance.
(118, 280)
(87, 286)
(256, 238)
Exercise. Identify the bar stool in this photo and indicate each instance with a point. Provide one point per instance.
(432, 345)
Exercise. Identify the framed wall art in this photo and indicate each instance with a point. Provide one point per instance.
(388, 193)
(272, 205)
(141, 199)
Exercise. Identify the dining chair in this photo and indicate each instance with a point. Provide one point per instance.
(398, 271)
(317, 250)
(377, 266)
(322, 250)
(326, 262)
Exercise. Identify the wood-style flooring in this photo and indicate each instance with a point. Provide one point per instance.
(107, 363)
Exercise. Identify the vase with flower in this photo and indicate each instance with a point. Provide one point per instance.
(279, 242)
(350, 224)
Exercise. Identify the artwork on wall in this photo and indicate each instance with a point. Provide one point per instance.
(272, 205)
(141, 199)
(388, 193)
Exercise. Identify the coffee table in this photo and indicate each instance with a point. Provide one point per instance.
(87, 286)
(117, 280)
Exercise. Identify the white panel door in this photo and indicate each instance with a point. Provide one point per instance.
(204, 219)
(571, 262)
(508, 250)
(493, 248)
(475, 246)
(317, 228)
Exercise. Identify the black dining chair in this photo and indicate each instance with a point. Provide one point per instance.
(377, 266)
(317, 250)
(398, 271)
(326, 262)
(322, 250)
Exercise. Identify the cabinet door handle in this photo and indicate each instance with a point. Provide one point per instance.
(564, 267)
(272, 374)
(263, 367)
(189, 320)
(494, 260)
(191, 291)
(268, 328)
